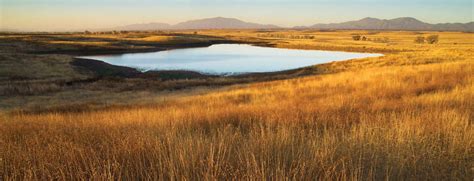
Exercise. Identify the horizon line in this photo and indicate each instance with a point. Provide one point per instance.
(10, 29)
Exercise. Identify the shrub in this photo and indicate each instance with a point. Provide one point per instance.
(356, 37)
(420, 39)
(432, 39)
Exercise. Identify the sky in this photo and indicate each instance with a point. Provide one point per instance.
(63, 15)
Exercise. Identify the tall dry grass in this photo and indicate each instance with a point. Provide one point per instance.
(411, 122)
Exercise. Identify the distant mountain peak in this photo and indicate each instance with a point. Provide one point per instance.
(369, 19)
(220, 17)
(221, 23)
(407, 19)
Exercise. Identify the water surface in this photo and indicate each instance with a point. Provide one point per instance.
(228, 59)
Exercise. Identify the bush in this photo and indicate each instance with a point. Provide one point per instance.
(432, 39)
(420, 39)
(356, 37)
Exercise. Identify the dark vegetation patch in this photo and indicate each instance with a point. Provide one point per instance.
(102, 69)
(175, 74)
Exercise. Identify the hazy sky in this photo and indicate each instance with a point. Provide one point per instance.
(88, 14)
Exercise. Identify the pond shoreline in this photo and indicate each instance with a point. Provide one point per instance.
(152, 48)
(217, 60)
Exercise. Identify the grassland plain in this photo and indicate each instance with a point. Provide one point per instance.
(404, 116)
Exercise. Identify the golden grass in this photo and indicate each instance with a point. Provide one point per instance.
(342, 40)
(405, 116)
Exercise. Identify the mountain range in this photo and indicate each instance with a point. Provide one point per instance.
(208, 23)
(404, 23)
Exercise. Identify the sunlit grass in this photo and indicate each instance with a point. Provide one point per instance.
(404, 116)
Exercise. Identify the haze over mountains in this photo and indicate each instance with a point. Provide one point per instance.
(221, 23)
(405, 23)
(208, 23)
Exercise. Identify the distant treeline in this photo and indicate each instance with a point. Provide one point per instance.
(357, 37)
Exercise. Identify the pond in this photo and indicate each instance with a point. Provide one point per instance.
(226, 59)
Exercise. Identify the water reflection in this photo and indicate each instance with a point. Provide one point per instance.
(228, 59)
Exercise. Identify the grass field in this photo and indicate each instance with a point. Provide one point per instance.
(404, 116)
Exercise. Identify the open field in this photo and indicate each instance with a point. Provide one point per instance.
(404, 116)
(28, 76)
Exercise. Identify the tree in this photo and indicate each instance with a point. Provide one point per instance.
(420, 39)
(432, 39)
(356, 37)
